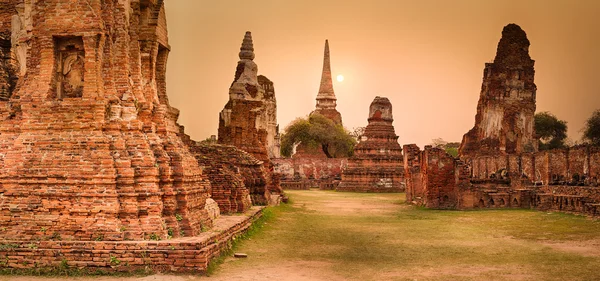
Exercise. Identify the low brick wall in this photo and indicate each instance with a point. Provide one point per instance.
(187, 254)
(296, 185)
(328, 184)
(309, 168)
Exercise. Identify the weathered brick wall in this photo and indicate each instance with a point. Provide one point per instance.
(237, 178)
(594, 164)
(106, 161)
(309, 168)
(439, 179)
(8, 67)
(413, 174)
(558, 166)
(302, 184)
(191, 254)
(304, 151)
(504, 120)
(501, 166)
(564, 181)
(592, 194)
(478, 197)
(373, 175)
(243, 122)
(528, 167)
(273, 137)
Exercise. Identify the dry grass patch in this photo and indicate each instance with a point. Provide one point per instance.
(375, 237)
(324, 235)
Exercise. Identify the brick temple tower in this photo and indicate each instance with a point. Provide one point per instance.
(504, 121)
(89, 145)
(377, 164)
(247, 120)
(326, 100)
(243, 122)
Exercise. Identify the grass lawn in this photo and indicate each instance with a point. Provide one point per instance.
(325, 235)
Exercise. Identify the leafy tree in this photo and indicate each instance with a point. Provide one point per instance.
(591, 131)
(318, 131)
(551, 132)
(357, 132)
(450, 147)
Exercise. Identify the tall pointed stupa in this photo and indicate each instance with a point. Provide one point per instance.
(326, 100)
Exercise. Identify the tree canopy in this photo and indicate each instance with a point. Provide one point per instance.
(450, 147)
(318, 131)
(357, 133)
(551, 131)
(591, 131)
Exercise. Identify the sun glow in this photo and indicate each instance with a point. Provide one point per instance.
(340, 78)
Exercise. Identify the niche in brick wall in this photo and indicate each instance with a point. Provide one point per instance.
(69, 66)
(161, 71)
(8, 76)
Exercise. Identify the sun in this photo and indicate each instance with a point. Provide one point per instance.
(340, 78)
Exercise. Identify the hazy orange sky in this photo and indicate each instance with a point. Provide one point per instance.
(426, 56)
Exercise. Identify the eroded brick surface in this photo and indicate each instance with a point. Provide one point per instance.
(504, 120)
(8, 63)
(94, 164)
(501, 167)
(89, 145)
(185, 254)
(237, 178)
(246, 120)
(309, 168)
(377, 162)
(307, 172)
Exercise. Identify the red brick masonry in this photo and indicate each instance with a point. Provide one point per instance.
(189, 254)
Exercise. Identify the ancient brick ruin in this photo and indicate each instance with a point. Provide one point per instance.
(238, 179)
(247, 121)
(560, 180)
(221, 165)
(377, 162)
(74, 133)
(92, 158)
(326, 106)
(307, 172)
(8, 62)
(504, 120)
(95, 169)
(326, 100)
(273, 137)
(499, 166)
(433, 177)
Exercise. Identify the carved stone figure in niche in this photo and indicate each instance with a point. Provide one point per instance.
(70, 68)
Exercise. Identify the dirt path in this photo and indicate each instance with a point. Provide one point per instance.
(334, 236)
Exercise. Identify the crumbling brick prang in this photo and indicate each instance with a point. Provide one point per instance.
(504, 120)
(499, 166)
(247, 121)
